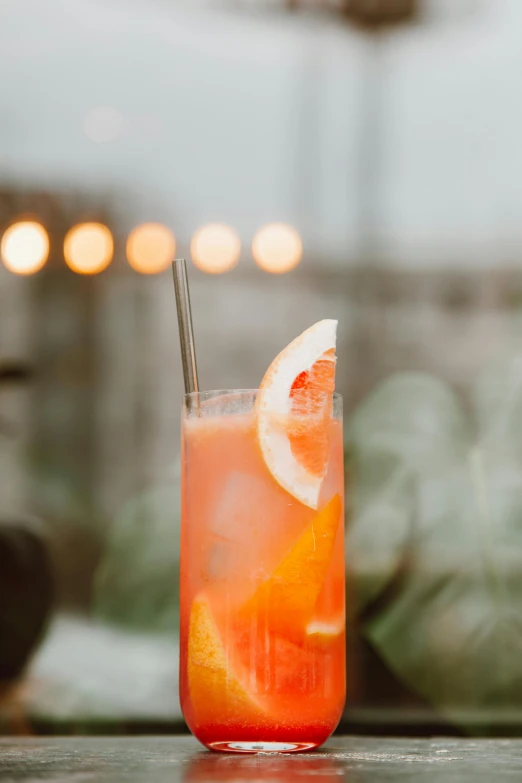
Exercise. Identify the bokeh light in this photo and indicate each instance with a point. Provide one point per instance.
(277, 248)
(103, 124)
(215, 248)
(88, 248)
(151, 248)
(25, 247)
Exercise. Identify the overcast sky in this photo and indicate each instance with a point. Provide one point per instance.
(219, 115)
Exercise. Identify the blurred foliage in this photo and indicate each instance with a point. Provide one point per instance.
(408, 428)
(438, 518)
(137, 584)
(74, 528)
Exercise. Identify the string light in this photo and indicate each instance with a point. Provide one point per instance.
(215, 248)
(277, 248)
(25, 247)
(88, 248)
(103, 124)
(151, 248)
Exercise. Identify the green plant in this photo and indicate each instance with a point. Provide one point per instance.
(437, 517)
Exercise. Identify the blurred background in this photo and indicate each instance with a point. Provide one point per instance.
(354, 159)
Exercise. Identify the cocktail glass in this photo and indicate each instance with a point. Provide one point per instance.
(262, 587)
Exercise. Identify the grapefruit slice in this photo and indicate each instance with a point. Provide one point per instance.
(278, 666)
(294, 407)
(285, 603)
(216, 693)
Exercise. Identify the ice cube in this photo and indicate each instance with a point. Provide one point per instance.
(241, 532)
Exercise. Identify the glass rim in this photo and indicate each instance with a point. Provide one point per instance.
(223, 392)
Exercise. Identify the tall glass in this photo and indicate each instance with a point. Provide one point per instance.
(262, 587)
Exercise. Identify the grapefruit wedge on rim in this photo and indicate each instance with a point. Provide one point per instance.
(294, 408)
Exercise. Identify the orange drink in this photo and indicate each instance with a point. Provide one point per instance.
(262, 558)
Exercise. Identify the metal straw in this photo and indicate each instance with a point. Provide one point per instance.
(186, 334)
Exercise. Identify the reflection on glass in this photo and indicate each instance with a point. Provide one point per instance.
(307, 767)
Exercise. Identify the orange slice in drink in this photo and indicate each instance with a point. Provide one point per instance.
(278, 666)
(294, 407)
(216, 693)
(285, 603)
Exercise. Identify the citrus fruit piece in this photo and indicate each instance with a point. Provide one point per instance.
(294, 407)
(285, 603)
(276, 665)
(216, 693)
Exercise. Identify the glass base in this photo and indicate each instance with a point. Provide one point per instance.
(261, 747)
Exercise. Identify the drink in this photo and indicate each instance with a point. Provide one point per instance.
(262, 574)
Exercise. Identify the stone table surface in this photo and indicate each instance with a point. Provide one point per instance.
(173, 759)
